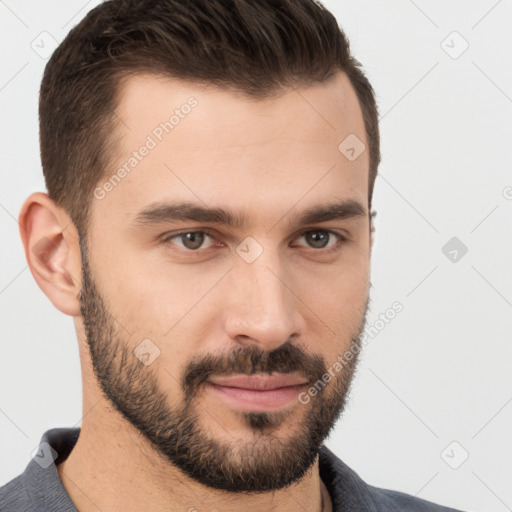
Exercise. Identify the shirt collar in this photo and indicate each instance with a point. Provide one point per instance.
(42, 481)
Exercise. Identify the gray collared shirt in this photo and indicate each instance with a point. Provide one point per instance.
(40, 489)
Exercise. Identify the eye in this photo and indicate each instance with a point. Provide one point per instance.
(190, 240)
(322, 239)
(194, 241)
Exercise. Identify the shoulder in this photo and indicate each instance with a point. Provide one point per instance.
(39, 487)
(349, 491)
(14, 496)
(396, 501)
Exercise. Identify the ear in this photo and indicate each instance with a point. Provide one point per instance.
(52, 251)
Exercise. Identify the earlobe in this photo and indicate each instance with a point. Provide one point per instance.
(52, 251)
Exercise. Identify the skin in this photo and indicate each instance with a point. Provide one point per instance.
(269, 160)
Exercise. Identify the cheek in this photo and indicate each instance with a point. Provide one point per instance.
(142, 304)
(176, 308)
(334, 307)
(338, 288)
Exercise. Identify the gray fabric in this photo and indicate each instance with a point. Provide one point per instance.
(40, 489)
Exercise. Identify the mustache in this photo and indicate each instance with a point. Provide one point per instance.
(287, 358)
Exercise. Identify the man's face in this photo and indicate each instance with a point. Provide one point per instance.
(177, 301)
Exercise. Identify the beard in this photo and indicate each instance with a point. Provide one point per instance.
(265, 462)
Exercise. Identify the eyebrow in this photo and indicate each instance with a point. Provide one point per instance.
(165, 212)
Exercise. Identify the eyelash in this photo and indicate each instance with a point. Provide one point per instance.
(336, 247)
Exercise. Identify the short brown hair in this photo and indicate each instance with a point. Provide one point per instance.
(256, 47)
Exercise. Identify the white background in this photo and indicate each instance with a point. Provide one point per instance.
(440, 371)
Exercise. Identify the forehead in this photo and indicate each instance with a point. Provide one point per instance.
(182, 141)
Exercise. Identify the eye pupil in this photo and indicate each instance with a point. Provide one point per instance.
(317, 239)
(192, 240)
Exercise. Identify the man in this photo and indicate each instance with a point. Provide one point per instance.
(210, 169)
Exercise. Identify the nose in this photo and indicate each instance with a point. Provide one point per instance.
(263, 308)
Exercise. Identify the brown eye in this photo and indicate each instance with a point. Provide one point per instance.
(189, 240)
(322, 241)
(192, 240)
(317, 239)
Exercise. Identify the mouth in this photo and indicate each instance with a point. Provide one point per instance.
(257, 392)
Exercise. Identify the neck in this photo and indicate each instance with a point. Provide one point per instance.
(111, 455)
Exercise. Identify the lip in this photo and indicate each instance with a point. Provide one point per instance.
(259, 382)
(257, 392)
